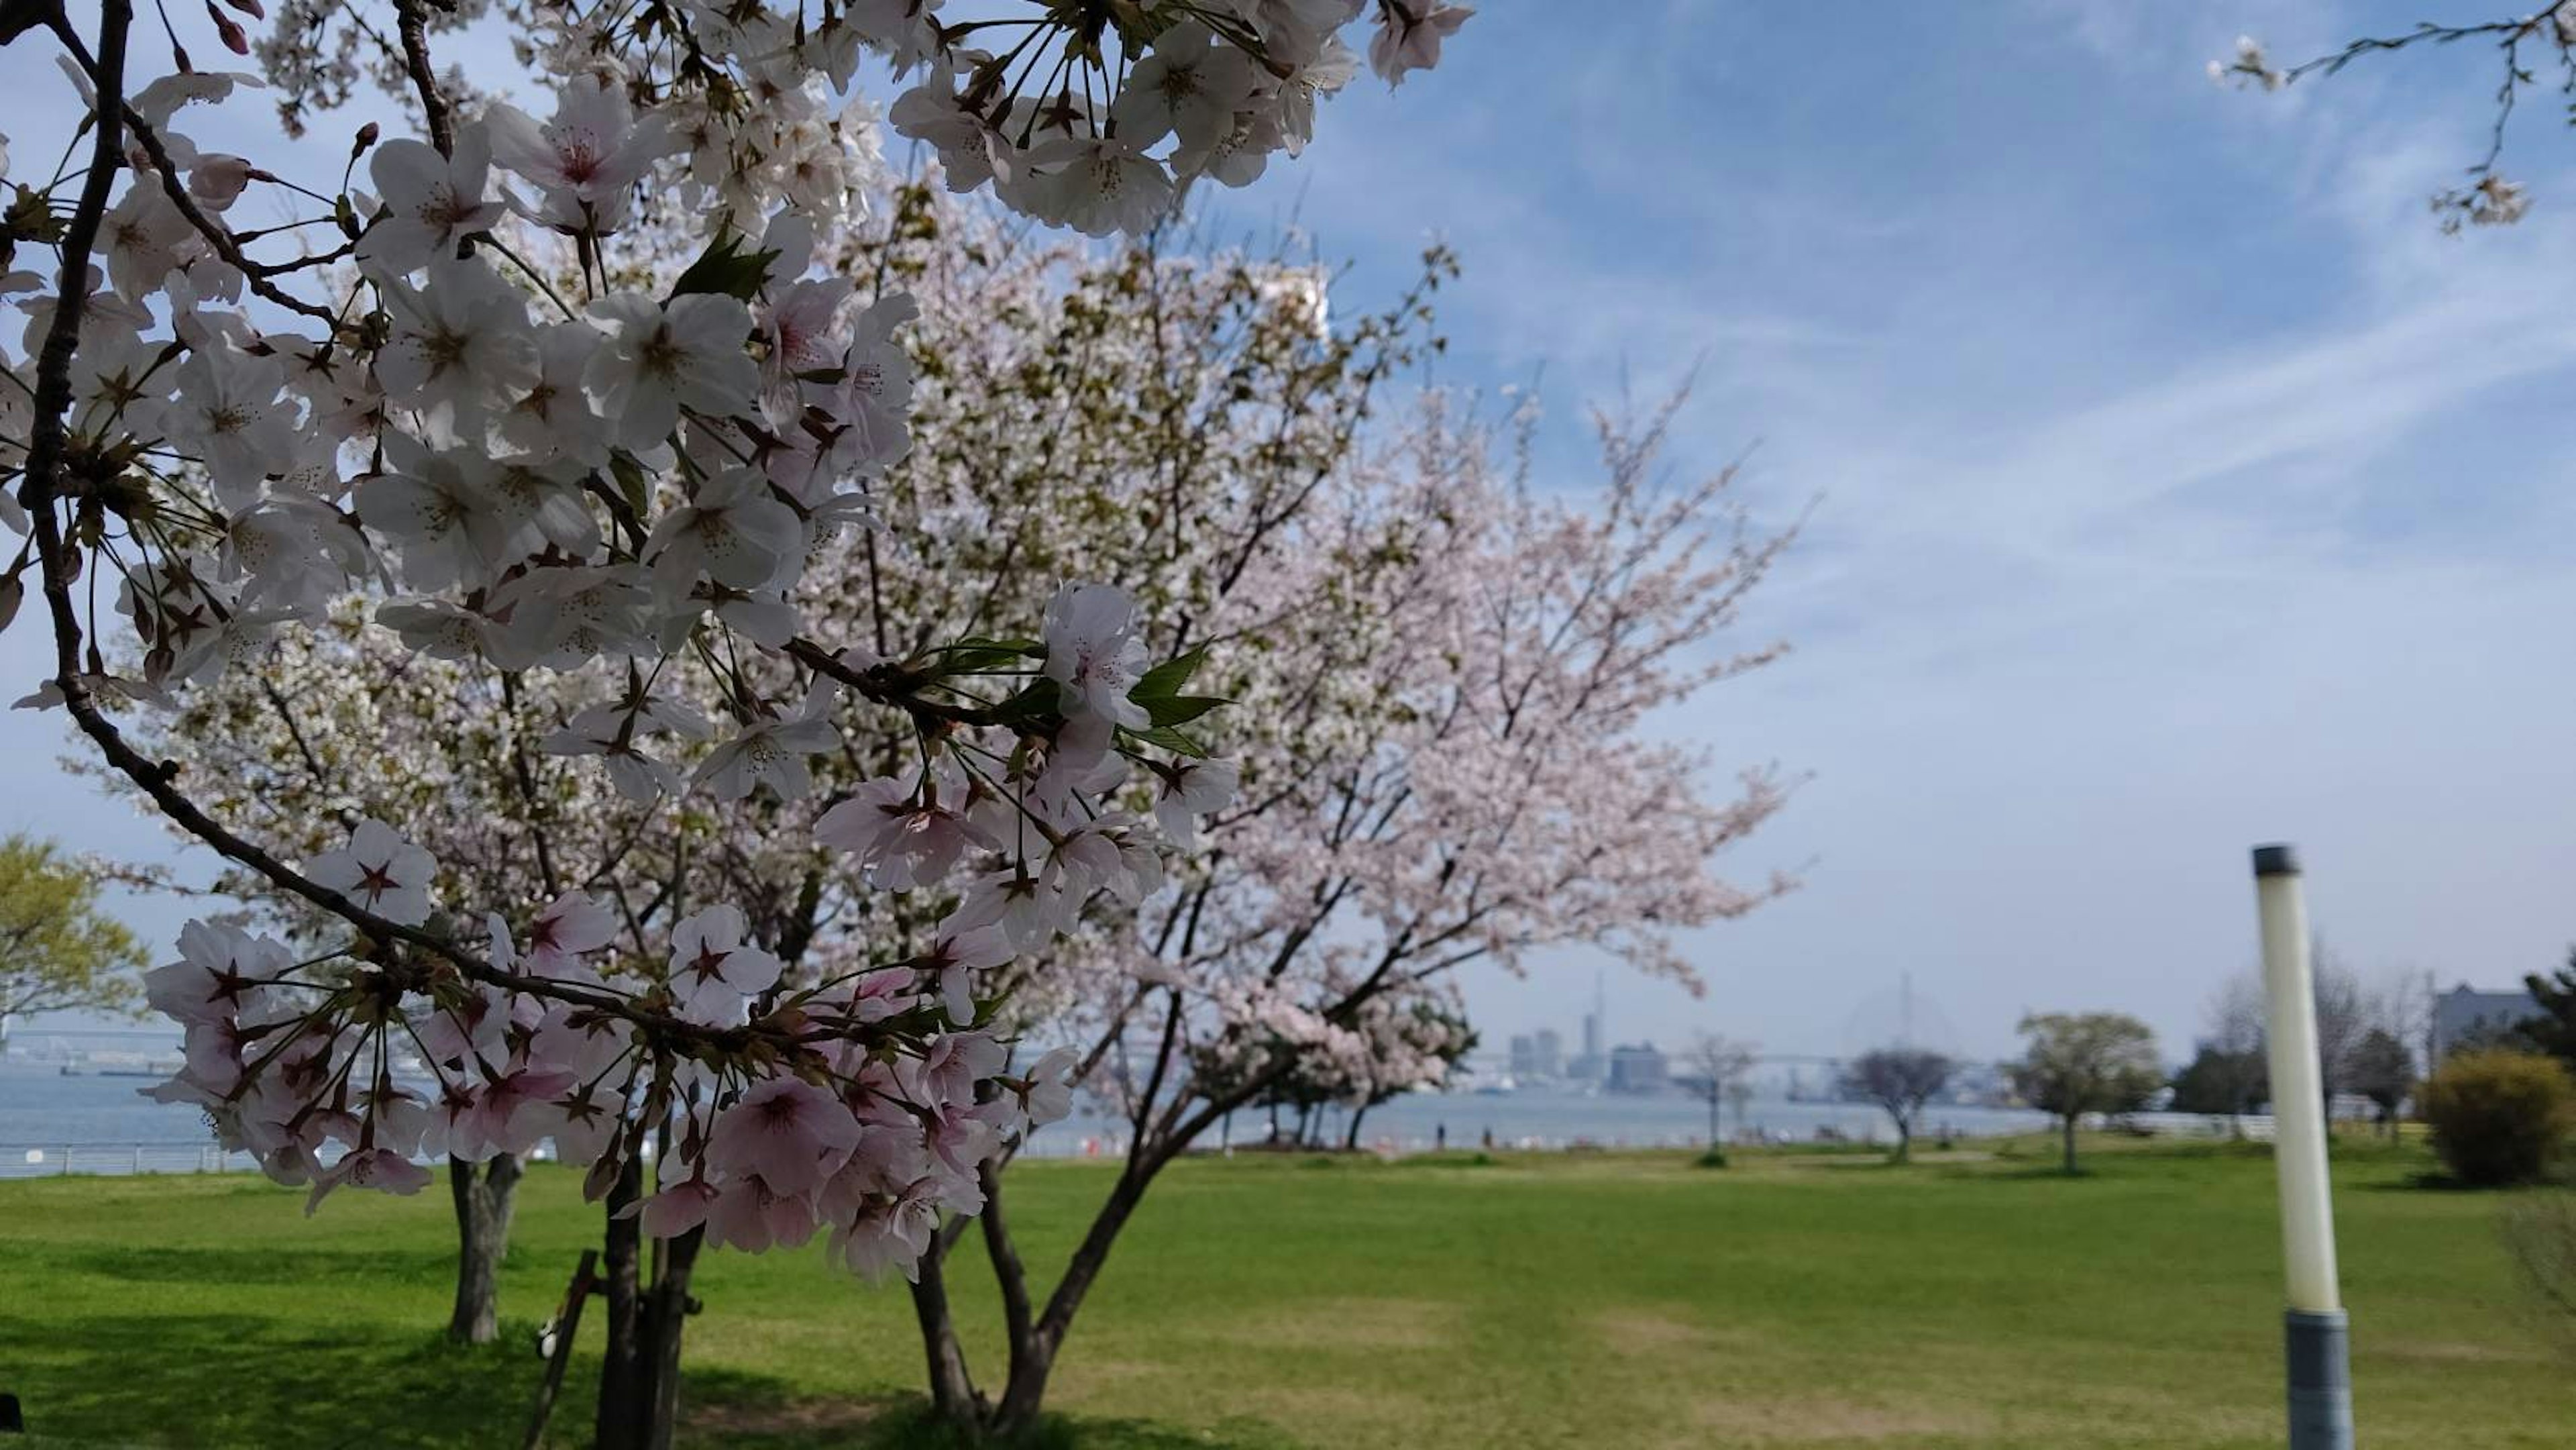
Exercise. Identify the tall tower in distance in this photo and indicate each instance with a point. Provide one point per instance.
(1593, 1064)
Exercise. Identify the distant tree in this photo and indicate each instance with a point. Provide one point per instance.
(1739, 1096)
(1719, 1064)
(1901, 1080)
(57, 949)
(2221, 1083)
(2554, 1030)
(2382, 1069)
(2346, 1012)
(2086, 1062)
(2229, 1075)
(1438, 1038)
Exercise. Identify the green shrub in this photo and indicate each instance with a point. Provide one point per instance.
(1714, 1158)
(2498, 1116)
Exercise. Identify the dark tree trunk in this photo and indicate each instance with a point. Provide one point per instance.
(484, 1196)
(952, 1391)
(666, 1318)
(1351, 1139)
(1033, 1350)
(1904, 1137)
(625, 1397)
(1034, 1338)
(639, 1376)
(2069, 1122)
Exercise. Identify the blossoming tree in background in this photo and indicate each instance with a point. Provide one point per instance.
(487, 404)
(2525, 46)
(1486, 786)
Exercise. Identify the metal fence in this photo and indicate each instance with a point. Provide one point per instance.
(56, 1160)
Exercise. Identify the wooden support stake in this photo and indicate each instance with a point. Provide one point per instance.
(567, 1323)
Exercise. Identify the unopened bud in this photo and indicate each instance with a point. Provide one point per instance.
(235, 38)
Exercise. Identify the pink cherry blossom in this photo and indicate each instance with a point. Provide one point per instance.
(789, 1133)
(714, 973)
(384, 1169)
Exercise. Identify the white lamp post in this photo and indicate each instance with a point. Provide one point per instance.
(2320, 1376)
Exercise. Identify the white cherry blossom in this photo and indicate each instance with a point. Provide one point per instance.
(432, 202)
(380, 871)
(664, 359)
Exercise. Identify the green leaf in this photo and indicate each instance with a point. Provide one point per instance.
(975, 656)
(726, 269)
(632, 483)
(1034, 649)
(1165, 680)
(1170, 739)
(1181, 709)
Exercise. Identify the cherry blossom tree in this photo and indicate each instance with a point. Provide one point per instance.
(1211, 364)
(1416, 1036)
(1490, 788)
(1371, 596)
(492, 407)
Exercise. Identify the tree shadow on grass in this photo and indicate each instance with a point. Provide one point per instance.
(2002, 1172)
(231, 1380)
(211, 1382)
(724, 1407)
(2434, 1180)
(248, 1266)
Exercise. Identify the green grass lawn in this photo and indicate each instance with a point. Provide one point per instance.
(1627, 1300)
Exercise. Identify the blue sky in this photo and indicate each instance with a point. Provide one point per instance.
(2176, 484)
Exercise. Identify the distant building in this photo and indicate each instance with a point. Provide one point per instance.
(1538, 1056)
(1588, 1065)
(2465, 1017)
(1549, 1053)
(1638, 1068)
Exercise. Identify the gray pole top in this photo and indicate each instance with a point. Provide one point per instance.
(2276, 860)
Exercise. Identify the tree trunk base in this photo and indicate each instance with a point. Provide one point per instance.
(485, 1196)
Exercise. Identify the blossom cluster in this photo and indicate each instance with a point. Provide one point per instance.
(297, 1063)
(493, 410)
(1226, 85)
(861, 1102)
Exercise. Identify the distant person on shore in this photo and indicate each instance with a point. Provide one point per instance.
(1440, 1138)
(1489, 1138)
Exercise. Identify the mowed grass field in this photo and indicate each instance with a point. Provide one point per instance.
(1256, 1304)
